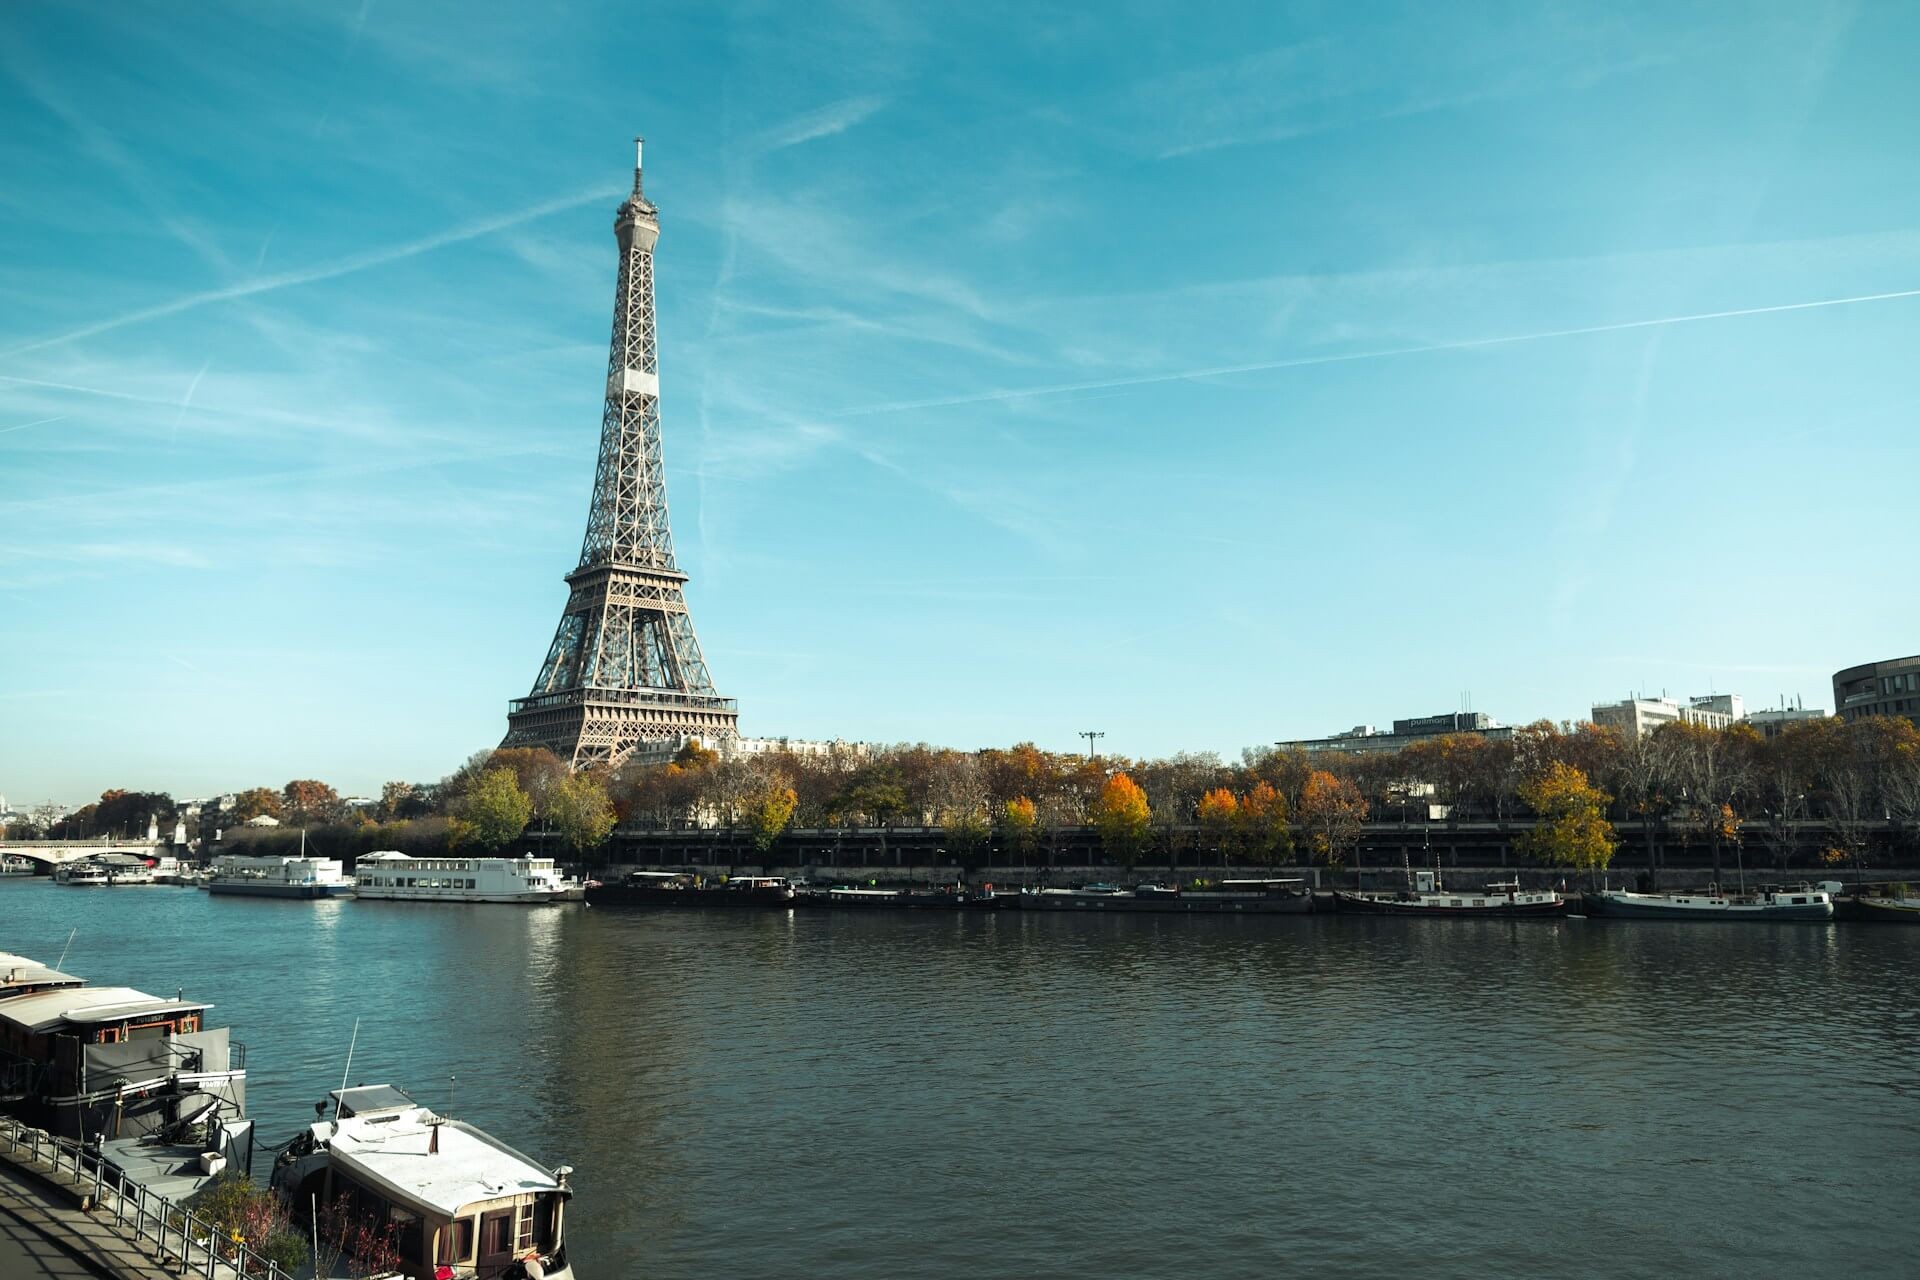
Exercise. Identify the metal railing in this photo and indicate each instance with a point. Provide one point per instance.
(174, 1236)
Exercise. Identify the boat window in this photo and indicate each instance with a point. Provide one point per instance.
(1800, 901)
(455, 1242)
(547, 1223)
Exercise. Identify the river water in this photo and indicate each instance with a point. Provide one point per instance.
(1013, 1095)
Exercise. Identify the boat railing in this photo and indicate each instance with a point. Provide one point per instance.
(173, 1235)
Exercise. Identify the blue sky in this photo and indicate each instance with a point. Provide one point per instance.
(1207, 375)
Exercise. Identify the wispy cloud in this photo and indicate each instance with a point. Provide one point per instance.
(1265, 366)
(328, 271)
(823, 122)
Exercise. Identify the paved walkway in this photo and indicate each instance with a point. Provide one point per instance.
(42, 1228)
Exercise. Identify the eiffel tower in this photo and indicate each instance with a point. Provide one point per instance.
(624, 668)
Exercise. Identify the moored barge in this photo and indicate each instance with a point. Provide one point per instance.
(1428, 897)
(1772, 904)
(409, 1190)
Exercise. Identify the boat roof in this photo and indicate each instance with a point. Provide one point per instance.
(87, 1006)
(21, 971)
(366, 1099)
(1268, 880)
(397, 1152)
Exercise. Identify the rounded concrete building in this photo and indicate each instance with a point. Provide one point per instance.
(1890, 688)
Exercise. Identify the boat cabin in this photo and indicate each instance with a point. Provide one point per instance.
(21, 976)
(446, 1198)
(113, 1062)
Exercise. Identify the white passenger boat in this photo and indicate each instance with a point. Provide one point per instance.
(393, 876)
(452, 1199)
(15, 865)
(83, 874)
(279, 877)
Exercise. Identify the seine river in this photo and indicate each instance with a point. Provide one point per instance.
(1016, 1095)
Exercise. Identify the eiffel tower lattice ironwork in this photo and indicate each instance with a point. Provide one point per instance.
(624, 667)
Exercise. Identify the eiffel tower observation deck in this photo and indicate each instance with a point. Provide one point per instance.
(625, 667)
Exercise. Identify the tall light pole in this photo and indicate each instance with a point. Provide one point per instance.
(1090, 735)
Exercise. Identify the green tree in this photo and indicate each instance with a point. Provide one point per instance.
(768, 811)
(495, 811)
(1123, 819)
(1570, 825)
(579, 810)
(967, 832)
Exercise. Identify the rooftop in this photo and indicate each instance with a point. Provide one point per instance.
(85, 1006)
(397, 1152)
(21, 971)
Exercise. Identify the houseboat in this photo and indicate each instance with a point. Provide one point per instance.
(1772, 904)
(21, 976)
(1426, 896)
(446, 1198)
(683, 889)
(279, 877)
(392, 876)
(1269, 896)
(91, 1062)
(1880, 910)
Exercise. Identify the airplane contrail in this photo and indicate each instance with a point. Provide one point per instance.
(1262, 366)
(344, 266)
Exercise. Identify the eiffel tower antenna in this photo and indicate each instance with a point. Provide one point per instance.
(624, 667)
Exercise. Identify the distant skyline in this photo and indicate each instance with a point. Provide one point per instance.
(1206, 376)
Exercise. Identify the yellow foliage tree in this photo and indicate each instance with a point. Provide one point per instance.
(1123, 818)
(1219, 815)
(1570, 826)
(1333, 814)
(1264, 831)
(1019, 823)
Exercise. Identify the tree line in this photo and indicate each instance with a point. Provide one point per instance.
(1573, 786)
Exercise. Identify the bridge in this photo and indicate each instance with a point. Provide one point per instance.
(53, 853)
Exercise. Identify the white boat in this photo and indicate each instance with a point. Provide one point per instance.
(1772, 903)
(15, 865)
(454, 1200)
(393, 876)
(84, 873)
(283, 876)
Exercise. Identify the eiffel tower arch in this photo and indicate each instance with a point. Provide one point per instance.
(625, 668)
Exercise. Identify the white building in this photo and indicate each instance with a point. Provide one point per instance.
(1638, 717)
(737, 748)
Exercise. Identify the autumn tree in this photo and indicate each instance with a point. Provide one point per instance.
(579, 811)
(309, 803)
(1123, 818)
(1219, 816)
(1570, 825)
(1265, 833)
(494, 812)
(1018, 821)
(1333, 816)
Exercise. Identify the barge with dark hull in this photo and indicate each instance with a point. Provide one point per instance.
(1805, 904)
(1248, 897)
(1427, 897)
